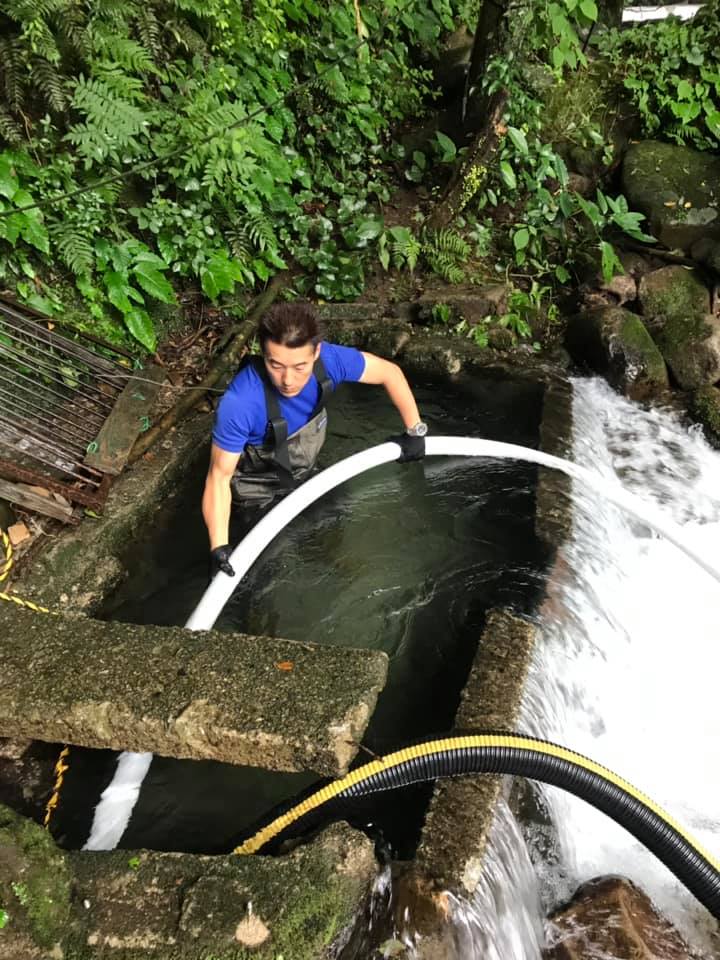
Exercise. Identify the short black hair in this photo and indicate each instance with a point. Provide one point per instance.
(292, 324)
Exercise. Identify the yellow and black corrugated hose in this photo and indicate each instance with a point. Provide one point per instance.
(61, 765)
(515, 754)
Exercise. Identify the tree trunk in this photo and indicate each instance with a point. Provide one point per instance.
(470, 176)
(490, 36)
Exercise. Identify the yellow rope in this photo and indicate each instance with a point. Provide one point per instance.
(510, 741)
(60, 766)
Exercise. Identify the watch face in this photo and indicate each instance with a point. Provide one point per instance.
(419, 430)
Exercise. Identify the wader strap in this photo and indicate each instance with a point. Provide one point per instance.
(278, 424)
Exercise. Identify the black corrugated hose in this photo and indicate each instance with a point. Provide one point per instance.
(517, 755)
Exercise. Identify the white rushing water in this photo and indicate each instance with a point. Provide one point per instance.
(627, 665)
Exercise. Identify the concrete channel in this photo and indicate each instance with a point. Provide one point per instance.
(207, 702)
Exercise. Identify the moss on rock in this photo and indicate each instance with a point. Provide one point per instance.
(673, 292)
(34, 889)
(705, 408)
(677, 188)
(615, 343)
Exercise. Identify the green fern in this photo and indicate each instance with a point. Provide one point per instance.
(112, 122)
(12, 70)
(10, 129)
(126, 53)
(74, 246)
(149, 31)
(185, 37)
(49, 83)
(446, 252)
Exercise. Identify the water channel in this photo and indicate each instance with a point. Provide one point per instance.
(409, 560)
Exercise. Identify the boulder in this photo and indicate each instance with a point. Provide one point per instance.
(705, 408)
(678, 190)
(691, 348)
(611, 917)
(671, 292)
(614, 342)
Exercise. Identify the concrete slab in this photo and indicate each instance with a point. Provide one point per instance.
(164, 906)
(240, 699)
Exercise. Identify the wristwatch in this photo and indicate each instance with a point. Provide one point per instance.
(419, 430)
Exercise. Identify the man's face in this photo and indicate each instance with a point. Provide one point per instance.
(290, 368)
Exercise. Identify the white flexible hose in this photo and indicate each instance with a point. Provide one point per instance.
(105, 834)
(252, 545)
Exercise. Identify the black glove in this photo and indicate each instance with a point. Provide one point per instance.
(220, 561)
(413, 448)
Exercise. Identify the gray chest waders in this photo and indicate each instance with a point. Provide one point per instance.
(281, 462)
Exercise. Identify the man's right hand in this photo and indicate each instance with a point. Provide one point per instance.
(220, 561)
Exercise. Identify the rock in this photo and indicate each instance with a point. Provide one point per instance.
(12, 748)
(18, 534)
(485, 301)
(671, 292)
(611, 917)
(705, 408)
(691, 348)
(678, 190)
(500, 338)
(635, 264)
(623, 287)
(577, 183)
(614, 342)
(706, 250)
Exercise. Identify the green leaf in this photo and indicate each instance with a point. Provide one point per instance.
(153, 282)
(609, 261)
(8, 180)
(4, 918)
(141, 327)
(219, 275)
(118, 289)
(33, 232)
(685, 90)
(449, 150)
(508, 174)
(521, 238)
(589, 9)
(369, 229)
(561, 273)
(519, 139)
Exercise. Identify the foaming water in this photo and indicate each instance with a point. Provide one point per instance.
(626, 669)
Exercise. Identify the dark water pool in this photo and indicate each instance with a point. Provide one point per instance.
(406, 558)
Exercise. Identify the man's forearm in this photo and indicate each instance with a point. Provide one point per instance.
(216, 510)
(398, 389)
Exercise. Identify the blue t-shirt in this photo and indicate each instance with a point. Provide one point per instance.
(242, 416)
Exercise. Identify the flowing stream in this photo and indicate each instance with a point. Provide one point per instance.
(626, 673)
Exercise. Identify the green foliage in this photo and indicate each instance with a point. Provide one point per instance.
(21, 892)
(445, 252)
(551, 229)
(671, 70)
(231, 181)
(4, 918)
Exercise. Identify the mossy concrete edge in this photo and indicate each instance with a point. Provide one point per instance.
(163, 906)
(77, 570)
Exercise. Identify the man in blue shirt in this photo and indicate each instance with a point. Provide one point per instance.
(271, 421)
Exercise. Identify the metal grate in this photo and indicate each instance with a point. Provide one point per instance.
(55, 395)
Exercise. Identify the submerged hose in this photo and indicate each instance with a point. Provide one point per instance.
(520, 756)
(252, 545)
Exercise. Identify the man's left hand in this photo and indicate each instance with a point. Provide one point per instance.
(413, 448)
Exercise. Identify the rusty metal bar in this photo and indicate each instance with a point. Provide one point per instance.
(62, 462)
(20, 475)
(13, 355)
(69, 346)
(71, 430)
(39, 356)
